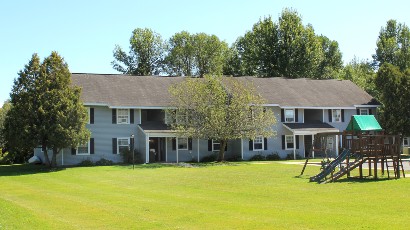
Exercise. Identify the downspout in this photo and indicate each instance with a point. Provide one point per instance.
(197, 148)
(294, 146)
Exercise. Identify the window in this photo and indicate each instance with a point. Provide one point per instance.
(336, 115)
(364, 112)
(289, 142)
(289, 115)
(122, 145)
(216, 145)
(406, 141)
(182, 143)
(329, 143)
(83, 149)
(123, 116)
(258, 143)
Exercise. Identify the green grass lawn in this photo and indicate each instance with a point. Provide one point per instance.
(233, 196)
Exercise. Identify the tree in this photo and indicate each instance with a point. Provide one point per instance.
(145, 56)
(3, 112)
(233, 64)
(393, 45)
(46, 110)
(362, 74)
(394, 96)
(331, 63)
(180, 58)
(220, 109)
(287, 48)
(209, 54)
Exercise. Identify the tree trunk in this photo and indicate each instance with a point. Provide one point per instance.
(222, 150)
(54, 158)
(46, 155)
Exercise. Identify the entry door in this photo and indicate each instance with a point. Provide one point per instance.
(308, 144)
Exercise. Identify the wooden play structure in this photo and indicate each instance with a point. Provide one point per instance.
(362, 142)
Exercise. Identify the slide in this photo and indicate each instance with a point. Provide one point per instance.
(322, 175)
(344, 171)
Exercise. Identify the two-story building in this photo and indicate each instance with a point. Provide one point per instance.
(121, 106)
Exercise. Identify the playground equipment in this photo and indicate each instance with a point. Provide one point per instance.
(362, 141)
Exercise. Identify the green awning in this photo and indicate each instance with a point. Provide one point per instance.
(363, 123)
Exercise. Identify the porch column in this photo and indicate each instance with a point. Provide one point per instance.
(242, 148)
(313, 142)
(147, 148)
(176, 143)
(294, 146)
(197, 148)
(337, 145)
(166, 149)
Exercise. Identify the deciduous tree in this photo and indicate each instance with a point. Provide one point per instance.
(220, 109)
(394, 96)
(145, 56)
(180, 58)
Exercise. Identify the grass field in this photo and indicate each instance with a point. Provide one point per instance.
(233, 196)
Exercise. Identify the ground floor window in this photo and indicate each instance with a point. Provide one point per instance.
(216, 145)
(83, 149)
(258, 143)
(289, 142)
(406, 141)
(122, 145)
(329, 144)
(183, 143)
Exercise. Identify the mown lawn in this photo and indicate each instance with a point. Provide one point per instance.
(234, 196)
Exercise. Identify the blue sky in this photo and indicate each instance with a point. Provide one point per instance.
(85, 32)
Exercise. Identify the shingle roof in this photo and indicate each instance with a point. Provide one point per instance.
(117, 90)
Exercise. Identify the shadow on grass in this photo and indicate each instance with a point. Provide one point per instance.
(181, 165)
(26, 169)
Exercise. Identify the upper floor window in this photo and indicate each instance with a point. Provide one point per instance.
(289, 142)
(182, 143)
(406, 141)
(181, 118)
(258, 143)
(83, 149)
(336, 115)
(289, 115)
(123, 116)
(364, 112)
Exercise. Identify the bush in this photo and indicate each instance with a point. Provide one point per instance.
(273, 157)
(86, 163)
(104, 162)
(290, 156)
(210, 158)
(258, 157)
(127, 157)
(235, 157)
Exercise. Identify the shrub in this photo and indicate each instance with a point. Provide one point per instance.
(290, 156)
(258, 157)
(86, 163)
(127, 157)
(273, 157)
(235, 157)
(210, 158)
(104, 162)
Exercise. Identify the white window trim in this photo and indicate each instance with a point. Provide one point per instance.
(179, 138)
(286, 142)
(408, 140)
(89, 115)
(367, 111)
(215, 142)
(118, 146)
(82, 154)
(333, 118)
(262, 142)
(128, 118)
(294, 116)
